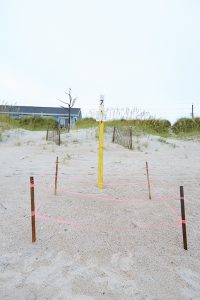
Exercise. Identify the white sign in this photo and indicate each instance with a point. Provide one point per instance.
(101, 113)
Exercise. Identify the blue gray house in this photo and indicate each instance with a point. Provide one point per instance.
(59, 113)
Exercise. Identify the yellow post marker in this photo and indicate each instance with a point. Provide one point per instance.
(100, 163)
(101, 143)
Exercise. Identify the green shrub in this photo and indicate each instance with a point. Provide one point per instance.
(154, 126)
(30, 123)
(149, 125)
(6, 122)
(86, 123)
(38, 123)
(185, 125)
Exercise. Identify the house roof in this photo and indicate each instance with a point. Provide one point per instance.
(39, 110)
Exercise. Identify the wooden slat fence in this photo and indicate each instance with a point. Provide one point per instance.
(123, 136)
(53, 135)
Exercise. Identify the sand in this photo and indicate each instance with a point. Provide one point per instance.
(112, 243)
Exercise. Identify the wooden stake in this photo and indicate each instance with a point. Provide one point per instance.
(56, 176)
(32, 209)
(113, 138)
(148, 181)
(183, 218)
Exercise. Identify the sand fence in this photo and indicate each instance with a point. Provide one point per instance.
(53, 135)
(123, 136)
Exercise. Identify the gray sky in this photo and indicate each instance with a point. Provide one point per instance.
(143, 53)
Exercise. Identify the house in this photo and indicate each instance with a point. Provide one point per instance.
(59, 113)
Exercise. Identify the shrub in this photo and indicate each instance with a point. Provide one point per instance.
(38, 122)
(86, 123)
(31, 123)
(156, 125)
(186, 125)
(147, 125)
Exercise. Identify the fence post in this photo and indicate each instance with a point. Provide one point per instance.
(32, 209)
(131, 138)
(183, 222)
(59, 137)
(47, 135)
(56, 176)
(113, 138)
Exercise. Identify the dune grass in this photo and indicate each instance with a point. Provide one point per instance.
(186, 125)
(86, 123)
(150, 126)
(29, 123)
(183, 128)
(6, 122)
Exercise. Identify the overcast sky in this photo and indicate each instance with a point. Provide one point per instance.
(143, 53)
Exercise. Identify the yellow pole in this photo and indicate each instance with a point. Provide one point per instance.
(100, 162)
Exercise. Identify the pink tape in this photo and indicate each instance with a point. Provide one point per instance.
(102, 228)
(183, 221)
(54, 219)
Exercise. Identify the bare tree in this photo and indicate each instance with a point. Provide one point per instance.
(70, 104)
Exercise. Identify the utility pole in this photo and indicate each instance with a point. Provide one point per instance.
(192, 111)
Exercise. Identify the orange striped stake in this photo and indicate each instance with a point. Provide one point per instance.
(183, 221)
(148, 180)
(56, 176)
(32, 209)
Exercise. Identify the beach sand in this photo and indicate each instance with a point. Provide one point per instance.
(110, 243)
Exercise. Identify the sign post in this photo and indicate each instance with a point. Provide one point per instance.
(101, 142)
